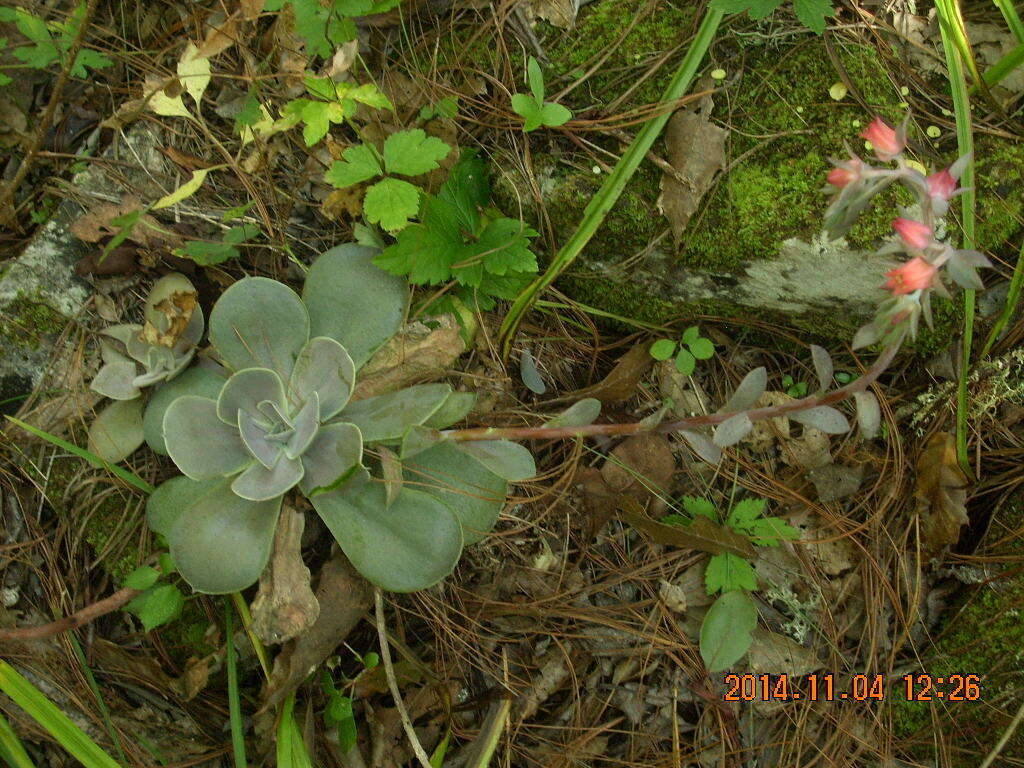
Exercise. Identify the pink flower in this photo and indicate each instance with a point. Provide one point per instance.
(886, 141)
(914, 275)
(845, 174)
(942, 185)
(916, 235)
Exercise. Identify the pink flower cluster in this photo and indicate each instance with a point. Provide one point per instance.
(855, 183)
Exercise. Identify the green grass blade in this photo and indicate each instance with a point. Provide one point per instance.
(291, 749)
(50, 718)
(12, 751)
(949, 24)
(129, 477)
(100, 702)
(616, 181)
(1005, 65)
(1009, 307)
(1013, 20)
(234, 700)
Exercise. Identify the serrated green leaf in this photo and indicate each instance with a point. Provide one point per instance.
(358, 164)
(391, 203)
(88, 58)
(813, 13)
(504, 245)
(412, 152)
(766, 532)
(700, 507)
(141, 578)
(745, 511)
(727, 572)
(419, 254)
(157, 606)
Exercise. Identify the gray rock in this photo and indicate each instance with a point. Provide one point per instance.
(39, 292)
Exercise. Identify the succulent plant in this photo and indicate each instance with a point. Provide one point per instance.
(282, 420)
(158, 350)
(139, 356)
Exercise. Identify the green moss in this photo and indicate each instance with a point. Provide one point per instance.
(982, 635)
(1000, 206)
(25, 322)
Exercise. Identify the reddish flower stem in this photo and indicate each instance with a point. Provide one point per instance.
(633, 428)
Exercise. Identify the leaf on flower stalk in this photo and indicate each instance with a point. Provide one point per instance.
(578, 414)
(453, 410)
(732, 430)
(822, 367)
(823, 417)
(704, 448)
(869, 415)
(748, 392)
(962, 272)
(504, 458)
(391, 469)
(387, 417)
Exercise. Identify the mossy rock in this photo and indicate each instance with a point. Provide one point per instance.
(753, 251)
(981, 634)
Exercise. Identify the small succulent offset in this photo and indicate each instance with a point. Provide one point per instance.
(282, 419)
(159, 349)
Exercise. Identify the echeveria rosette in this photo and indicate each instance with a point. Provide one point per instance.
(134, 362)
(282, 420)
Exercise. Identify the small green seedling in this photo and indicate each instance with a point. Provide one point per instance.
(690, 348)
(843, 377)
(794, 388)
(725, 634)
(331, 103)
(159, 602)
(532, 107)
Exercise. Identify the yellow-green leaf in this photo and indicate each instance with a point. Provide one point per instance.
(194, 72)
(163, 104)
(187, 189)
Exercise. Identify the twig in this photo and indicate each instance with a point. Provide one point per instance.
(991, 756)
(389, 671)
(632, 428)
(7, 193)
(75, 620)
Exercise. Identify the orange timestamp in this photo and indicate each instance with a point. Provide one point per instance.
(859, 687)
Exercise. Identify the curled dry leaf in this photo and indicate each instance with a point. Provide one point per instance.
(416, 354)
(178, 309)
(641, 466)
(284, 606)
(696, 150)
(941, 494)
(621, 382)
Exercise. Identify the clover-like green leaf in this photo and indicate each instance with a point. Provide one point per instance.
(410, 545)
(259, 323)
(354, 302)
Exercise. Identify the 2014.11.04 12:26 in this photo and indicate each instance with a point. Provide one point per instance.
(857, 687)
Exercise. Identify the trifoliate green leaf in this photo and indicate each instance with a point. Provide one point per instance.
(702, 349)
(685, 362)
(359, 164)
(391, 203)
(412, 152)
(728, 572)
(663, 349)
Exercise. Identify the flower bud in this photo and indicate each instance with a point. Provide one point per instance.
(886, 141)
(845, 173)
(914, 275)
(941, 188)
(915, 235)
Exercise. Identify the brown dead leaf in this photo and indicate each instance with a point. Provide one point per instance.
(701, 534)
(251, 9)
(641, 466)
(95, 225)
(941, 494)
(621, 382)
(222, 36)
(558, 13)
(696, 149)
(775, 654)
(344, 204)
(417, 353)
(344, 596)
(178, 309)
(284, 606)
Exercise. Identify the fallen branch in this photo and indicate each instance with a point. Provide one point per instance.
(74, 621)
